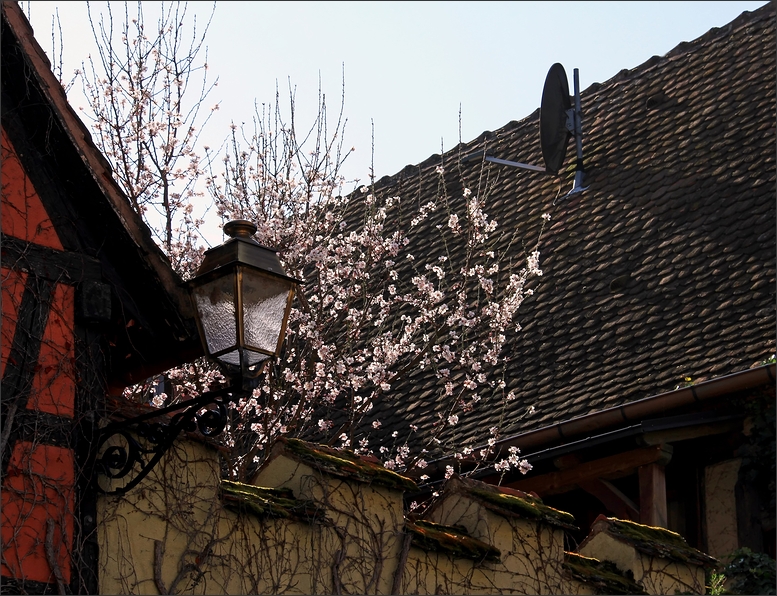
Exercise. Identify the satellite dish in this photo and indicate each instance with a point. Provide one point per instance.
(560, 120)
(554, 132)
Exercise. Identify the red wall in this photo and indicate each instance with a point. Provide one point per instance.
(38, 499)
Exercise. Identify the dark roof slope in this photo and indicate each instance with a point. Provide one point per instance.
(663, 269)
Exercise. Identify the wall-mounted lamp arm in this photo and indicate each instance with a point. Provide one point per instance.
(243, 299)
(120, 452)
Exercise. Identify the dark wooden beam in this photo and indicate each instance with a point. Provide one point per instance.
(692, 432)
(54, 265)
(613, 466)
(612, 498)
(652, 495)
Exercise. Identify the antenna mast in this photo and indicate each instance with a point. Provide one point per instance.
(577, 132)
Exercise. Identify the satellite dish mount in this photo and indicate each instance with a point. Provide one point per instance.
(577, 115)
(560, 120)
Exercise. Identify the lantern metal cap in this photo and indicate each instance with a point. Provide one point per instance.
(242, 249)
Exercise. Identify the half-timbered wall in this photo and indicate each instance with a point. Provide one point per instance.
(45, 507)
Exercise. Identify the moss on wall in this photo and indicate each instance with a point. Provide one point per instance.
(346, 464)
(273, 502)
(603, 575)
(454, 540)
(657, 542)
(526, 506)
(183, 530)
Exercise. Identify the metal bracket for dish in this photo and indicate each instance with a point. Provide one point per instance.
(577, 132)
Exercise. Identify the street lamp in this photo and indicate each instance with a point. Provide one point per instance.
(243, 298)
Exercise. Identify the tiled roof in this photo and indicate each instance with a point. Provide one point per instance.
(663, 269)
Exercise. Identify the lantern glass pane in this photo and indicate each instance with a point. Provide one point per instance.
(216, 304)
(264, 305)
(254, 358)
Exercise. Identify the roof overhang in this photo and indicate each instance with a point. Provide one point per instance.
(153, 325)
(641, 419)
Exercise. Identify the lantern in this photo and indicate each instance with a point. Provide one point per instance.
(243, 298)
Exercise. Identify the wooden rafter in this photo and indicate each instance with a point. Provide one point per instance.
(613, 466)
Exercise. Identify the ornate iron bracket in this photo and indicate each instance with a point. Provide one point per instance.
(120, 453)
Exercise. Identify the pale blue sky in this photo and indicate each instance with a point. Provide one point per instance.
(410, 66)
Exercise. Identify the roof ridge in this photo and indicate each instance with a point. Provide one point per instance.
(745, 18)
(682, 48)
(686, 47)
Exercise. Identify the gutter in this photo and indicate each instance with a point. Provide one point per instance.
(637, 410)
(635, 430)
(634, 412)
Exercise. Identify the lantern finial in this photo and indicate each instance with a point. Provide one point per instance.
(241, 228)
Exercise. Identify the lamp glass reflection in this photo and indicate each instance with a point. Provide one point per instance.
(216, 305)
(264, 309)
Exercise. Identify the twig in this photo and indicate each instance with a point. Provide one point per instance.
(159, 551)
(400, 571)
(51, 558)
(337, 585)
(187, 568)
(7, 426)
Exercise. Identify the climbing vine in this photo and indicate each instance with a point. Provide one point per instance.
(759, 450)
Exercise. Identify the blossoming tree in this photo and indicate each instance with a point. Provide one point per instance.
(147, 94)
(371, 311)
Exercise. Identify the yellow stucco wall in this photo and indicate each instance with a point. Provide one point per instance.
(367, 523)
(657, 575)
(532, 552)
(173, 534)
(721, 507)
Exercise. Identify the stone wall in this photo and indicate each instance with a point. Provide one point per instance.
(720, 512)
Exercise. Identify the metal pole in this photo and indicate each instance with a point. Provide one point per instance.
(579, 170)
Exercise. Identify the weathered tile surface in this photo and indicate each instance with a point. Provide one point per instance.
(663, 269)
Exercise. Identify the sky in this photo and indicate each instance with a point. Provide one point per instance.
(418, 76)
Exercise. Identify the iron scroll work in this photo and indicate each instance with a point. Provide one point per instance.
(135, 446)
